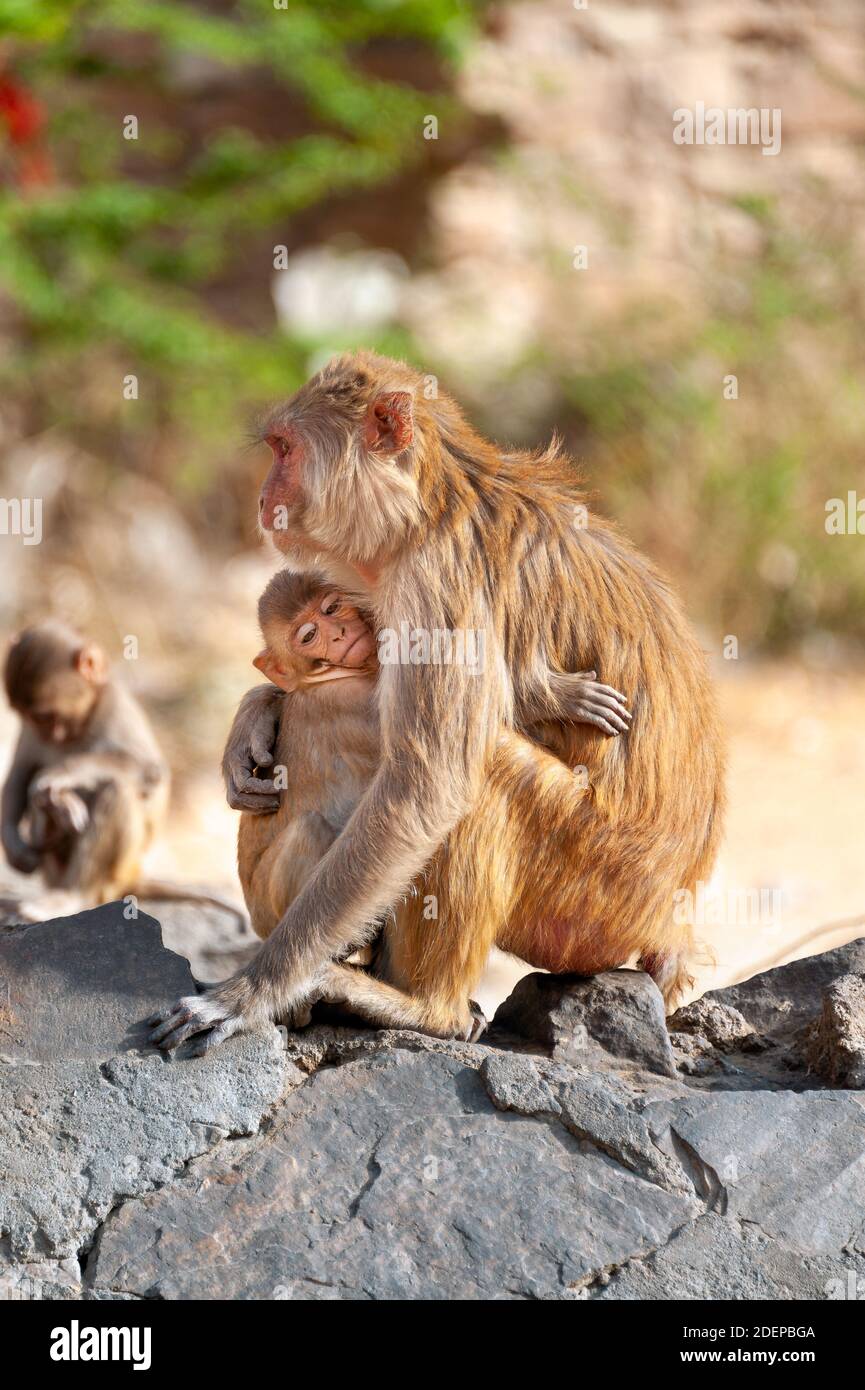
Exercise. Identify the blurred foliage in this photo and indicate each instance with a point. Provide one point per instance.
(109, 256)
(731, 493)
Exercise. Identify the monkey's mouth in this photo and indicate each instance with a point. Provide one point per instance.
(365, 642)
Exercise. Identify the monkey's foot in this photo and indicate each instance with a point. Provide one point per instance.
(195, 1014)
(237, 1005)
(234, 1006)
(299, 1017)
(477, 1023)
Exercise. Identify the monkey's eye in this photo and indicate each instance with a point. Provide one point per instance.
(280, 446)
(306, 633)
(331, 605)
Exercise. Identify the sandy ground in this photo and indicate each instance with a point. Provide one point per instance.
(795, 828)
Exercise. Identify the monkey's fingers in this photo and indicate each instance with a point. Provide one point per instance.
(609, 693)
(256, 804)
(241, 770)
(217, 1034)
(248, 793)
(181, 1021)
(260, 748)
(611, 709)
(602, 718)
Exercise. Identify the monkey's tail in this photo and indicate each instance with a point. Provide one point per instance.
(159, 891)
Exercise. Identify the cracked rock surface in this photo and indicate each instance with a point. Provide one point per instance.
(341, 1162)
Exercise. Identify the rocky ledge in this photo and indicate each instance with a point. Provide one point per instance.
(579, 1151)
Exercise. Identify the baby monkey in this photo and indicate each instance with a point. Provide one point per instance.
(88, 787)
(321, 650)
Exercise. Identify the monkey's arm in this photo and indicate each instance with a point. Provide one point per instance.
(437, 743)
(580, 698)
(251, 743)
(20, 855)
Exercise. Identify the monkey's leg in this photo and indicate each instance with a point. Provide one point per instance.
(438, 940)
(388, 1007)
(290, 862)
(275, 857)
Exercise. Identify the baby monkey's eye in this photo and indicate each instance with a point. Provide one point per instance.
(331, 604)
(306, 633)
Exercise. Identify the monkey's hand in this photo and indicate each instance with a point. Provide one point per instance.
(237, 1005)
(586, 701)
(21, 856)
(251, 743)
(62, 809)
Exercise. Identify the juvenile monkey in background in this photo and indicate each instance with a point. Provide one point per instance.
(87, 779)
(406, 505)
(321, 650)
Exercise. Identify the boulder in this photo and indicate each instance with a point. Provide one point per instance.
(836, 1046)
(611, 1020)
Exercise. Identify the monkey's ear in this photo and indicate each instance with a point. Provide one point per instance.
(268, 665)
(265, 662)
(389, 424)
(91, 663)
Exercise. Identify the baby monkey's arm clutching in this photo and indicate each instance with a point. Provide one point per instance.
(582, 699)
(251, 744)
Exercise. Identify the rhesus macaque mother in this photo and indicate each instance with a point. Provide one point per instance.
(403, 503)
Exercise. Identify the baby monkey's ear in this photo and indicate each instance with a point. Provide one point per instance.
(91, 663)
(268, 665)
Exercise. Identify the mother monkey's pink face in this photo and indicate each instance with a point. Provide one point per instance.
(343, 476)
(281, 490)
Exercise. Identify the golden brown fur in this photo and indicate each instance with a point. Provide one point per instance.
(328, 743)
(398, 496)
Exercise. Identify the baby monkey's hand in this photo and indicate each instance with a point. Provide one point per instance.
(589, 702)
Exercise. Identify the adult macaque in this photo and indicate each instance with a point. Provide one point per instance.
(87, 779)
(406, 505)
(321, 651)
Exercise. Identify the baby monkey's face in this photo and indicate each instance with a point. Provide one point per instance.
(328, 632)
(332, 630)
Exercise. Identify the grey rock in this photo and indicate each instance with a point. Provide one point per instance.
(79, 988)
(713, 1024)
(836, 1046)
(714, 1258)
(609, 1021)
(88, 1119)
(595, 1110)
(785, 1027)
(215, 940)
(792, 1163)
(389, 1177)
(345, 1163)
(778, 1002)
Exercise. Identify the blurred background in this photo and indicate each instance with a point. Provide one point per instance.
(203, 200)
